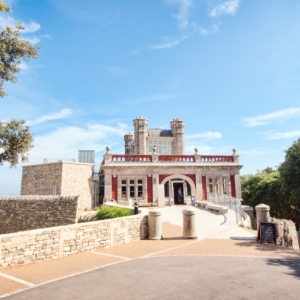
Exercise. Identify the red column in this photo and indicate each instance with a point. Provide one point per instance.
(114, 187)
(204, 192)
(232, 183)
(150, 189)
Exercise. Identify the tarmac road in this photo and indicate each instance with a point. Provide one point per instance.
(180, 277)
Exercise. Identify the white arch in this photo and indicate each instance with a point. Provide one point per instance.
(184, 177)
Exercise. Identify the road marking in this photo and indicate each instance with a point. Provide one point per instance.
(122, 257)
(17, 280)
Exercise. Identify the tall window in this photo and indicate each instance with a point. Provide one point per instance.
(140, 188)
(210, 185)
(132, 188)
(167, 193)
(163, 147)
(124, 189)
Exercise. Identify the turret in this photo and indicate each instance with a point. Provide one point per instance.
(140, 134)
(177, 127)
(128, 138)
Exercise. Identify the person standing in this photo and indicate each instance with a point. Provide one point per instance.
(179, 194)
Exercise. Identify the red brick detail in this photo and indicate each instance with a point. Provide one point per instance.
(204, 191)
(192, 176)
(162, 177)
(232, 183)
(114, 187)
(150, 189)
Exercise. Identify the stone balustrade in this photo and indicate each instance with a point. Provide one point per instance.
(155, 158)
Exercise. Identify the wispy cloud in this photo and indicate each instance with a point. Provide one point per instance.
(209, 135)
(250, 153)
(116, 71)
(274, 116)
(229, 7)
(62, 114)
(154, 97)
(170, 42)
(71, 139)
(10, 21)
(284, 135)
(184, 10)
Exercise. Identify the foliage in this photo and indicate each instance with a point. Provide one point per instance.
(16, 141)
(280, 189)
(12, 50)
(106, 212)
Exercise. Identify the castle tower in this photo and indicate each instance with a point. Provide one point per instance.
(177, 127)
(128, 138)
(140, 134)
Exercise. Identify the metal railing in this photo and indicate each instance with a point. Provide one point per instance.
(229, 201)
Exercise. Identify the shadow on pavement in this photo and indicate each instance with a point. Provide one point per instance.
(292, 263)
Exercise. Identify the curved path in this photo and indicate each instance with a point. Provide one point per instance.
(224, 263)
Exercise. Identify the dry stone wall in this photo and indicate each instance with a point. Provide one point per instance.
(22, 213)
(41, 244)
(286, 232)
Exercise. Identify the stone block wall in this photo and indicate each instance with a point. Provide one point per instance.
(69, 178)
(21, 213)
(286, 232)
(41, 244)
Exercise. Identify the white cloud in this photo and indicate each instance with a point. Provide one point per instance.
(268, 118)
(170, 43)
(31, 27)
(65, 142)
(203, 149)
(205, 135)
(116, 71)
(154, 97)
(284, 135)
(184, 9)
(225, 8)
(33, 40)
(62, 114)
(254, 152)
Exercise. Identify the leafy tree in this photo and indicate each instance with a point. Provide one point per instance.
(16, 141)
(15, 138)
(12, 50)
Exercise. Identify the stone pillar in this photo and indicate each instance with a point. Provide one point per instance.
(262, 213)
(155, 224)
(189, 224)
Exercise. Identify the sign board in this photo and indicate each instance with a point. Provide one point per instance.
(266, 233)
(193, 200)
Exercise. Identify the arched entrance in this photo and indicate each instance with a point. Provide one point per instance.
(178, 187)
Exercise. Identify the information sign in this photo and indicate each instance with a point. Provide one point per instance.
(266, 233)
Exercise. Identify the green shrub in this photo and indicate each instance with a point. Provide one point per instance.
(106, 212)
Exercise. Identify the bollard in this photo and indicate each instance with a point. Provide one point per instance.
(136, 208)
(189, 224)
(262, 213)
(155, 225)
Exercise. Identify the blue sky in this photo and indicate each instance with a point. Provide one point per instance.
(230, 69)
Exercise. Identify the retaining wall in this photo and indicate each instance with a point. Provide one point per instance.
(286, 232)
(20, 213)
(41, 244)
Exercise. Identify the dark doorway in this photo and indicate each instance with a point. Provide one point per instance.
(176, 187)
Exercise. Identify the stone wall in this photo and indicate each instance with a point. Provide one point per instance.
(286, 232)
(41, 244)
(68, 178)
(21, 213)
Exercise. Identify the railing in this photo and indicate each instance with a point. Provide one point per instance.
(231, 202)
(217, 158)
(119, 158)
(131, 158)
(176, 158)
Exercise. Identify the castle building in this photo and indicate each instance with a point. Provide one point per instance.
(154, 169)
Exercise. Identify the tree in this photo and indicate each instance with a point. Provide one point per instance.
(16, 141)
(12, 50)
(15, 138)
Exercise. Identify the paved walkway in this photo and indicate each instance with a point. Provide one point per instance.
(224, 263)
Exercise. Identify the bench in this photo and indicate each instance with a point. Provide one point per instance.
(219, 208)
(201, 203)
